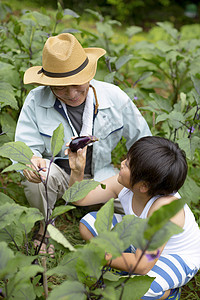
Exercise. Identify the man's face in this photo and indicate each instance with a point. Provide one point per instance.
(72, 95)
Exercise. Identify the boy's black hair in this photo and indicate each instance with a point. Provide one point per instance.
(159, 162)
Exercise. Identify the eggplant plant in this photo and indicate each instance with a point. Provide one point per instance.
(83, 266)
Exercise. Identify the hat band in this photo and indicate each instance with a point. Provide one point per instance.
(65, 74)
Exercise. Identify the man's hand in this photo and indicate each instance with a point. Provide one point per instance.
(38, 164)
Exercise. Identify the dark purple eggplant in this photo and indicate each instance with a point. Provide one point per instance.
(81, 142)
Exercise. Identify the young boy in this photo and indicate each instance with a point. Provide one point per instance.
(150, 176)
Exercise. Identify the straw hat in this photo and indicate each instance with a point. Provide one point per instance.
(64, 62)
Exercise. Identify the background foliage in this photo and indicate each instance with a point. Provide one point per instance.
(158, 68)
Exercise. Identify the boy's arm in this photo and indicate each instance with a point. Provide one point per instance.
(77, 164)
(133, 262)
(129, 261)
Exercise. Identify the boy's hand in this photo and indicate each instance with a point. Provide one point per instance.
(77, 161)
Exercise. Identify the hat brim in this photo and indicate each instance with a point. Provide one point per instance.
(31, 75)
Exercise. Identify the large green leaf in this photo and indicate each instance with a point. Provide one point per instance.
(134, 288)
(27, 272)
(22, 291)
(109, 242)
(12, 233)
(9, 74)
(7, 97)
(18, 151)
(57, 140)
(107, 293)
(90, 262)
(161, 216)
(41, 19)
(132, 30)
(104, 217)
(59, 210)
(176, 118)
(169, 29)
(16, 167)
(19, 285)
(70, 290)
(29, 217)
(161, 103)
(122, 60)
(8, 125)
(190, 191)
(196, 83)
(6, 255)
(70, 12)
(56, 235)
(79, 190)
(8, 212)
(67, 266)
(4, 199)
(189, 145)
(161, 236)
(131, 231)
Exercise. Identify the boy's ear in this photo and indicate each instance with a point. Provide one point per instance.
(144, 187)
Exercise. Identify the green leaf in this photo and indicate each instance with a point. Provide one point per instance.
(144, 76)
(122, 60)
(5, 199)
(131, 230)
(161, 236)
(23, 291)
(190, 191)
(196, 83)
(70, 290)
(111, 277)
(9, 75)
(189, 145)
(110, 77)
(169, 29)
(59, 210)
(161, 216)
(6, 255)
(173, 56)
(66, 267)
(41, 19)
(8, 212)
(107, 293)
(161, 103)
(70, 12)
(16, 167)
(27, 272)
(90, 262)
(57, 140)
(8, 125)
(132, 30)
(29, 217)
(135, 287)
(109, 242)
(7, 96)
(162, 117)
(104, 217)
(12, 232)
(18, 151)
(183, 101)
(57, 236)
(79, 190)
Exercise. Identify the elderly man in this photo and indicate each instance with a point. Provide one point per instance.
(68, 94)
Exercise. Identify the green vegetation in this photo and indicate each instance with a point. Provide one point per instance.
(159, 69)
